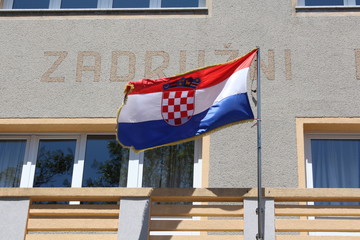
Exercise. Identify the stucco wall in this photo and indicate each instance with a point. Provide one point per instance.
(309, 70)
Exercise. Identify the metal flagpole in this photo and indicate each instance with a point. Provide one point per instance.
(260, 210)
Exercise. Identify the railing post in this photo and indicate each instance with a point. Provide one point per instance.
(13, 218)
(134, 219)
(251, 219)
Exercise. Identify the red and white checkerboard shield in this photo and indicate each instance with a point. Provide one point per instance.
(178, 106)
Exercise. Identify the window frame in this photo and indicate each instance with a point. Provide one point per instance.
(102, 4)
(26, 155)
(309, 171)
(306, 127)
(346, 3)
(330, 125)
(30, 157)
(136, 163)
(135, 167)
(320, 135)
(349, 6)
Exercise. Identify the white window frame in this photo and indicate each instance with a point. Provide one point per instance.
(56, 4)
(301, 3)
(135, 167)
(25, 173)
(102, 4)
(28, 171)
(136, 163)
(308, 159)
(309, 169)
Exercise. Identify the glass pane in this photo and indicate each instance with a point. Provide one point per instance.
(177, 3)
(31, 4)
(131, 4)
(357, 2)
(336, 163)
(79, 3)
(12, 154)
(170, 166)
(106, 163)
(54, 164)
(323, 2)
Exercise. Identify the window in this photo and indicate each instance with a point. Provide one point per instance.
(54, 163)
(322, 144)
(106, 163)
(328, 2)
(89, 4)
(332, 161)
(170, 166)
(182, 3)
(94, 160)
(12, 154)
(24, 4)
(79, 4)
(131, 4)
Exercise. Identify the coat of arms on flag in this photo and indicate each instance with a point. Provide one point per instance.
(158, 112)
(178, 101)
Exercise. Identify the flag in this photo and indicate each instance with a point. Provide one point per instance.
(158, 112)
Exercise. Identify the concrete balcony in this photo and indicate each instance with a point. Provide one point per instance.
(176, 214)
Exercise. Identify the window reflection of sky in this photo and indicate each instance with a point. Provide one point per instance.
(44, 4)
(27, 4)
(177, 3)
(131, 4)
(79, 4)
(324, 2)
(106, 163)
(54, 164)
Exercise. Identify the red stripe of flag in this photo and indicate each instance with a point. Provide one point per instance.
(209, 76)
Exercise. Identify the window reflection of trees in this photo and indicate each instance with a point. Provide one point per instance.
(111, 170)
(10, 177)
(54, 168)
(12, 154)
(170, 166)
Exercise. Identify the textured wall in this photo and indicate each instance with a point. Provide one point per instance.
(77, 67)
(14, 213)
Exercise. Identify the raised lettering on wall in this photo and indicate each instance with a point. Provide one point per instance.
(182, 61)
(288, 73)
(231, 53)
(268, 70)
(46, 76)
(357, 63)
(157, 72)
(155, 63)
(131, 60)
(96, 68)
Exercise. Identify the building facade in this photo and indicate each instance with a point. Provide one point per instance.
(64, 65)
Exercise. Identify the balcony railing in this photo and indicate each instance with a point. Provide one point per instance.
(163, 214)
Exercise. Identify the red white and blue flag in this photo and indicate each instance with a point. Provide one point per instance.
(158, 112)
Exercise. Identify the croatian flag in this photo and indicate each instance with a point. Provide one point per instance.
(158, 112)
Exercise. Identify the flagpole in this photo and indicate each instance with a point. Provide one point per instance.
(260, 210)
